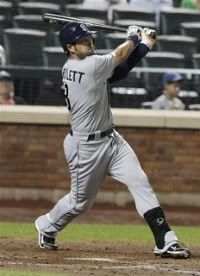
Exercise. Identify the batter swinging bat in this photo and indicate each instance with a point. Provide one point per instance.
(62, 20)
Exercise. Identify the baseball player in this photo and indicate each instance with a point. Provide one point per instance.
(93, 148)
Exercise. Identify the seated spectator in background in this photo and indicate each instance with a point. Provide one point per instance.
(152, 5)
(168, 100)
(190, 4)
(7, 90)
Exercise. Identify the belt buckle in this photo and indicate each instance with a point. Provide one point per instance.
(97, 135)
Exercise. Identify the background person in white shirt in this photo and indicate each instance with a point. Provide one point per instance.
(169, 100)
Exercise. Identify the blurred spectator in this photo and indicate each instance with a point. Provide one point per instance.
(168, 100)
(2, 56)
(7, 90)
(190, 4)
(152, 5)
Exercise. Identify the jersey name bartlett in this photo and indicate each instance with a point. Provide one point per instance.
(72, 75)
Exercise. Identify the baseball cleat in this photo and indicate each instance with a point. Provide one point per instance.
(174, 251)
(44, 241)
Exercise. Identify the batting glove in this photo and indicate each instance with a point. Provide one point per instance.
(148, 37)
(134, 34)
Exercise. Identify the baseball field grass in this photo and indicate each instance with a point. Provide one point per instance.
(134, 234)
(101, 232)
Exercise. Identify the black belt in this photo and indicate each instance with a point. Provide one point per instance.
(92, 136)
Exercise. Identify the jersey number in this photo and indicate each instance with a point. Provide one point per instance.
(66, 90)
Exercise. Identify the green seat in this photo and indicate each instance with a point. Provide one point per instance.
(24, 47)
(4, 23)
(125, 23)
(113, 40)
(160, 60)
(196, 64)
(6, 9)
(176, 43)
(54, 56)
(38, 8)
(120, 12)
(82, 11)
(34, 21)
(191, 29)
(172, 18)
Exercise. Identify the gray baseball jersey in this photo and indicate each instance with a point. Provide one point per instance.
(90, 161)
(86, 92)
(162, 102)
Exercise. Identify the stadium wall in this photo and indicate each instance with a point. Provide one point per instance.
(33, 165)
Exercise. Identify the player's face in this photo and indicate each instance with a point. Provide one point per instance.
(172, 89)
(83, 47)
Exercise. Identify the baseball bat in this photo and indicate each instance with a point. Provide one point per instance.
(62, 20)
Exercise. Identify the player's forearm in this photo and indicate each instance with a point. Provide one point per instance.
(122, 70)
(137, 55)
(123, 51)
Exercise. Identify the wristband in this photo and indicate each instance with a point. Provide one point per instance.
(134, 38)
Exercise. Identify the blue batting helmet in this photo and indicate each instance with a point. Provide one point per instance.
(73, 32)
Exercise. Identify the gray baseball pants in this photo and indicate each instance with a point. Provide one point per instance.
(89, 163)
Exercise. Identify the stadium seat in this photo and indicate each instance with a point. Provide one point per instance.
(34, 21)
(189, 97)
(6, 9)
(2, 56)
(176, 3)
(146, 105)
(120, 12)
(134, 79)
(160, 60)
(112, 40)
(24, 46)
(4, 23)
(172, 18)
(191, 29)
(196, 60)
(125, 23)
(83, 11)
(163, 59)
(38, 8)
(54, 56)
(127, 97)
(175, 43)
(194, 107)
(60, 2)
(196, 78)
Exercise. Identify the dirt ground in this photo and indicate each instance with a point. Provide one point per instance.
(95, 258)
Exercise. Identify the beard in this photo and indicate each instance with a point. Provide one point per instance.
(90, 52)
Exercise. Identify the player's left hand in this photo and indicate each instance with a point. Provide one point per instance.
(134, 34)
(133, 30)
(148, 37)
